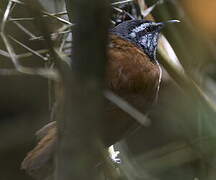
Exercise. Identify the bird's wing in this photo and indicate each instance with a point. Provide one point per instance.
(45, 130)
(39, 162)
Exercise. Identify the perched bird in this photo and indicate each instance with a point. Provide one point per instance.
(132, 73)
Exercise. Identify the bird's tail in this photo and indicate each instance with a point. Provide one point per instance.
(39, 162)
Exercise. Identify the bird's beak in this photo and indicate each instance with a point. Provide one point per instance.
(163, 24)
(172, 21)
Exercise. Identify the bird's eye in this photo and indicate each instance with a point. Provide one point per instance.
(153, 28)
(150, 28)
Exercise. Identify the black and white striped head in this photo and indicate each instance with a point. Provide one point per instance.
(143, 33)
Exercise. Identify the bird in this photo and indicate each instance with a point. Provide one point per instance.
(132, 72)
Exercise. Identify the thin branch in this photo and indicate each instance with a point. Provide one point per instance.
(58, 18)
(16, 1)
(121, 2)
(126, 107)
(146, 11)
(21, 19)
(4, 53)
(41, 51)
(6, 15)
(29, 49)
(45, 15)
(24, 29)
(40, 71)
(122, 11)
(53, 35)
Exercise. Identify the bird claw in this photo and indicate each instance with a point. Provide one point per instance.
(114, 155)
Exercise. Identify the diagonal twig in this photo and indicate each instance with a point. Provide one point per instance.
(29, 49)
(126, 107)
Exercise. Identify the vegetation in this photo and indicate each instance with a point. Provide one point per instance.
(35, 73)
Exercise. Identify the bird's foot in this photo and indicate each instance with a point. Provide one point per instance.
(114, 155)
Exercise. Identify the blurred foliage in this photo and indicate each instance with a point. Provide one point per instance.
(203, 16)
(180, 143)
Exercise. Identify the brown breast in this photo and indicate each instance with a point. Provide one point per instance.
(134, 77)
(130, 71)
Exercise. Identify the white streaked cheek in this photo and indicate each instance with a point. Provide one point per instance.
(143, 40)
(132, 35)
(140, 28)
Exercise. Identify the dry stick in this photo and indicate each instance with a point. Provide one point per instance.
(25, 30)
(53, 15)
(16, 1)
(28, 54)
(45, 15)
(185, 82)
(4, 53)
(58, 18)
(126, 107)
(47, 73)
(6, 18)
(53, 35)
(146, 11)
(122, 2)
(29, 49)
(40, 71)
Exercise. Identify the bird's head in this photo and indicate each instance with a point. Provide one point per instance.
(143, 33)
